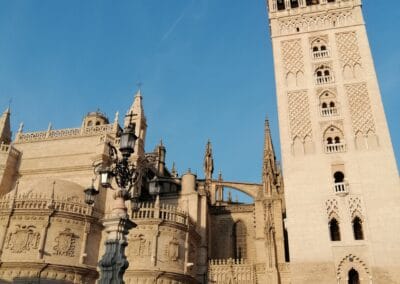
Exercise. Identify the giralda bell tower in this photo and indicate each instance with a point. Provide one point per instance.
(341, 179)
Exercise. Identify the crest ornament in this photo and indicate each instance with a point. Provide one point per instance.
(23, 239)
(65, 243)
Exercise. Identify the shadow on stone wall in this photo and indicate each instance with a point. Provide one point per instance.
(26, 280)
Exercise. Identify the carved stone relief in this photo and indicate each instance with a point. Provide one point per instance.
(360, 108)
(65, 243)
(299, 115)
(293, 25)
(172, 250)
(355, 208)
(23, 239)
(332, 208)
(349, 54)
(140, 246)
(293, 61)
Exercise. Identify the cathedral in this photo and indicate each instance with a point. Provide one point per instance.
(331, 215)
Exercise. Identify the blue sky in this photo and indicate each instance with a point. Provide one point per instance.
(206, 68)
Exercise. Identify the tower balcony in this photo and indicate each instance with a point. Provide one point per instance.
(341, 188)
(326, 79)
(329, 111)
(319, 54)
(335, 148)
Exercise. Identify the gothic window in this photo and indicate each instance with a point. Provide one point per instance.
(239, 240)
(334, 139)
(354, 277)
(323, 75)
(281, 4)
(90, 123)
(331, 1)
(327, 102)
(357, 229)
(334, 230)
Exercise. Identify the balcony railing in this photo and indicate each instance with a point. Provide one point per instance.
(324, 79)
(341, 188)
(320, 54)
(335, 148)
(330, 111)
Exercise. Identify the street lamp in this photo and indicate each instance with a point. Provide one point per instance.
(114, 263)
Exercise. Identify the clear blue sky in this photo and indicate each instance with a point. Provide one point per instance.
(206, 68)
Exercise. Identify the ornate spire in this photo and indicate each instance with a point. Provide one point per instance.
(208, 162)
(268, 174)
(5, 127)
(136, 109)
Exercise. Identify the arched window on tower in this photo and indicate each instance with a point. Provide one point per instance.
(319, 49)
(312, 2)
(239, 240)
(353, 276)
(327, 102)
(323, 75)
(357, 229)
(340, 185)
(334, 230)
(334, 139)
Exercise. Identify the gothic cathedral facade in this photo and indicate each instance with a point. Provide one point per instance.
(332, 217)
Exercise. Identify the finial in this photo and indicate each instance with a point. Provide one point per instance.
(21, 127)
(174, 172)
(49, 127)
(229, 196)
(161, 142)
(220, 175)
(116, 117)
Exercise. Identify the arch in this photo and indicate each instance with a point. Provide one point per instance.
(250, 189)
(338, 177)
(294, 3)
(280, 4)
(323, 75)
(239, 240)
(333, 135)
(358, 71)
(89, 123)
(299, 79)
(298, 147)
(308, 145)
(357, 228)
(348, 72)
(290, 80)
(352, 262)
(334, 230)
(360, 141)
(372, 140)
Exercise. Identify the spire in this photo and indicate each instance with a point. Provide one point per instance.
(208, 162)
(5, 127)
(135, 116)
(268, 174)
(136, 109)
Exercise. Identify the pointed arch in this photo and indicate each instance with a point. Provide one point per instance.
(239, 240)
(372, 140)
(334, 230)
(352, 262)
(347, 72)
(333, 135)
(299, 79)
(298, 147)
(290, 80)
(358, 230)
(360, 141)
(308, 145)
(358, 71)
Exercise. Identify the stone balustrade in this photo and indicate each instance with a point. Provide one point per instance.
(335, 148)
(38, 202)
(320, 54)
(231, 271)
(166, 212)
(64, 133)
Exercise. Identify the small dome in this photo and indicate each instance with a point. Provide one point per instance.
(62, 189)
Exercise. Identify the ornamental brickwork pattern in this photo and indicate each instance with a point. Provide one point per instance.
(299, 115)
(360, 108)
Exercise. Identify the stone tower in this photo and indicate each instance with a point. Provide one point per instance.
(341, 179)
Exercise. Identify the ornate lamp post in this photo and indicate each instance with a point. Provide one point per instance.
(114, 263)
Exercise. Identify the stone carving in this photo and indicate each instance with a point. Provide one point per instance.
(293, 56)
(208, 162)
(332, 208)
(292, 25)
(360, 108)
(172, 251)
(140, 246)
(24, 239)
(352, 261)
(65, 243)
(299, 115)
(347, 46)
(355, 207)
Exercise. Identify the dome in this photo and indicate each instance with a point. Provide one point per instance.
(61, 189)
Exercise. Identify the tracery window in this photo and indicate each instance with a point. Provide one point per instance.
(328, 104)
(323, 75)
(319, 49)
(239, 240)
(354, 277)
